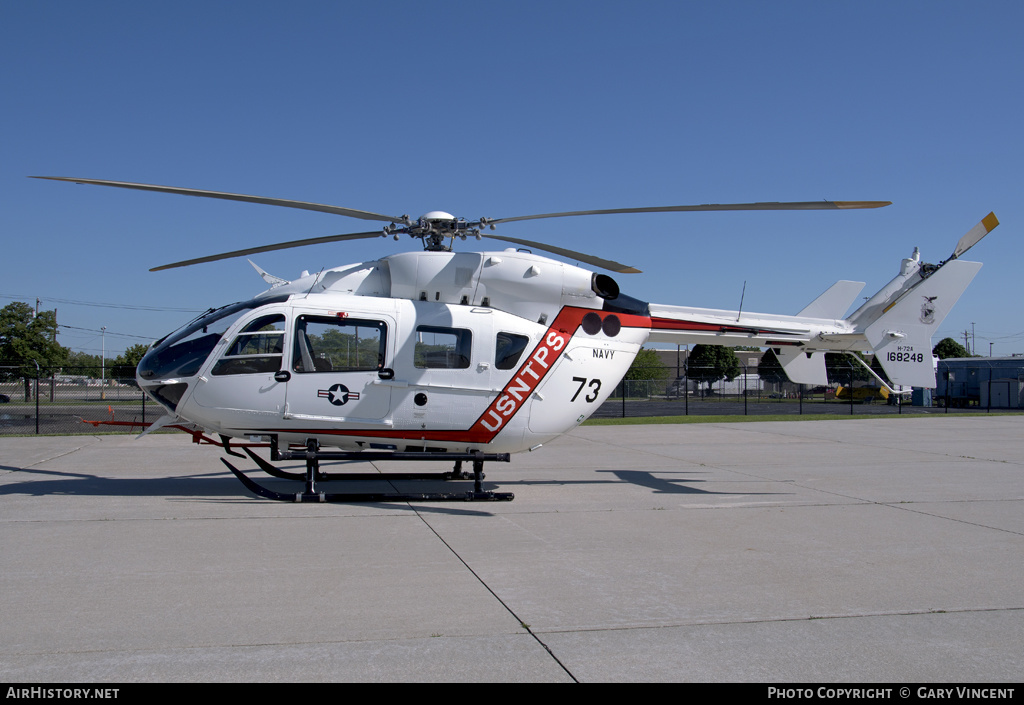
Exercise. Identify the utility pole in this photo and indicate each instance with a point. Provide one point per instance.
(103, 363)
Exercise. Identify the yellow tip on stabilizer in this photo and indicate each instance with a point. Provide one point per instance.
(990, 222)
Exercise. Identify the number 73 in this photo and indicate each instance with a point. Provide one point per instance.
(595, 385)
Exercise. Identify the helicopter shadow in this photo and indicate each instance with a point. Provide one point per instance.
(215, 487)
(674, 485)
(652, 480)
(53, 482)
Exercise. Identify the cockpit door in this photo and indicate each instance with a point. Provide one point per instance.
(238, 391)
(335, 365)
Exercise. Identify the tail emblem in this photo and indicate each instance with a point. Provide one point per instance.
(928, 309)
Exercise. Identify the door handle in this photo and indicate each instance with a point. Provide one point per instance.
(282, 376)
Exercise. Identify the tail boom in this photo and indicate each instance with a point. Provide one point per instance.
(896, 323)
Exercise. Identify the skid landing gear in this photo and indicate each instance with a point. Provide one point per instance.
(313, 455)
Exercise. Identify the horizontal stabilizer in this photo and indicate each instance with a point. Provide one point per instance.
(802, 368)
(834, 302)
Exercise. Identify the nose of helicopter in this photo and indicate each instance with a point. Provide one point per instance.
(166, 370)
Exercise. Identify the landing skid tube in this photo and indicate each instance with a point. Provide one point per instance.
(313, 455)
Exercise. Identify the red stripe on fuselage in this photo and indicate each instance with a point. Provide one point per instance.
(675, 324)
(511, 399)
(523, 383)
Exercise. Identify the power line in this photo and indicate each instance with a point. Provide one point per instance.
(98, 304)
(120, 335)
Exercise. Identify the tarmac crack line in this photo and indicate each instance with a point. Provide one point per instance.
(901, 505)
(780, 620)
(852, 498)
(497, 597)
(53, 457)
(958, 521)
(892, 505)
(878, 445)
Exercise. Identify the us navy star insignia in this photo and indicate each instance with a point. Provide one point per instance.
(338, 394)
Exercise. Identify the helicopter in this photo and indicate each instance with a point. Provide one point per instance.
(439, 355)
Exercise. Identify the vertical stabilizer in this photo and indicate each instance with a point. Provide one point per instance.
(900, 319)
(902, 335)
(834, 302)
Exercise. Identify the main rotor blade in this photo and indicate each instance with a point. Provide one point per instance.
(571, 254)
(336, 210)
(270, 248)
(974, 235)
(794, 206)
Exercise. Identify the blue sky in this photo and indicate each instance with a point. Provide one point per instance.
(500, 109)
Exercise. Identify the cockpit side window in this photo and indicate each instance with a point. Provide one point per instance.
(326, 344)
(508, 348)
(183, 352)
(257, 348)
(439, 347)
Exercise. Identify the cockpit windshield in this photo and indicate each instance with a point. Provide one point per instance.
(182, 353)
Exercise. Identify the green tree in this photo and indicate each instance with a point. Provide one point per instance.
(711, 363)
(28, 343)
(947, 347)
(82, 363)
(770, 370)
(647, 365)
(646, 374)
(838, 367)
(876, 367)
(123, 367)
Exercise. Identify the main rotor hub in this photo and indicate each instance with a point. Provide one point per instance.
(434, 228)
(436, 216)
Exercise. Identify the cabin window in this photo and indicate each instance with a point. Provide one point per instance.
(256, 349)
(330, 344)
(442, 348)
(508, 348)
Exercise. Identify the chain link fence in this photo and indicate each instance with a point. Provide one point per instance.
(63, 401)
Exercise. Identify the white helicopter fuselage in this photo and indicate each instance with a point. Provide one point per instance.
(456, 352)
